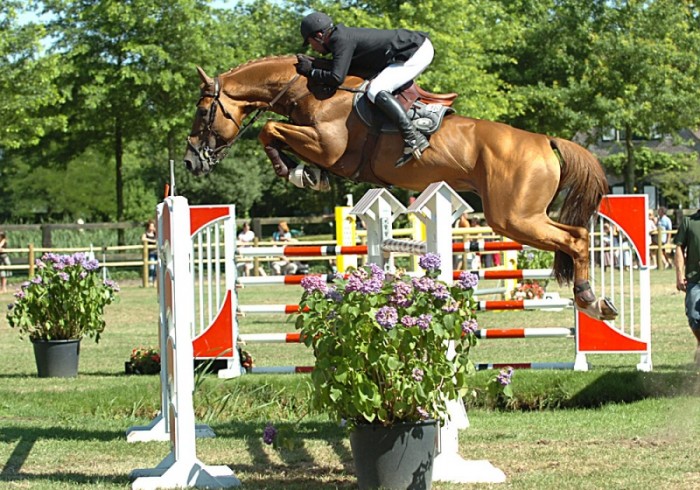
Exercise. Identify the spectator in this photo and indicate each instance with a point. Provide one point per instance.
(283, 265)
(245, 238)
(463, 260)
(150, 238)
(651, 225)
(4, 261)
(687, 259)
(664, 225)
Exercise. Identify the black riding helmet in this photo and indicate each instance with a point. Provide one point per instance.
(314, 22)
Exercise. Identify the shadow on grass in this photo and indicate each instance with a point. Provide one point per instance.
(560, 390)
(299, 468)
(24, 439)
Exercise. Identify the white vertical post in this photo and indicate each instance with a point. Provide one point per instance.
(180, 468)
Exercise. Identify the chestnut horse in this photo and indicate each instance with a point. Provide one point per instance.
(516, 173)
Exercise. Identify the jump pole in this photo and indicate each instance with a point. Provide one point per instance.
(437, 207)
(180, 468)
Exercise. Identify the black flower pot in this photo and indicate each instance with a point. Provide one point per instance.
(395, 457)
(57, 358)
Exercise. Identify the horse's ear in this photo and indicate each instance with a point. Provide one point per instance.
(205, 78)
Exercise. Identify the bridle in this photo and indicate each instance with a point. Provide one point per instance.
(213, 156)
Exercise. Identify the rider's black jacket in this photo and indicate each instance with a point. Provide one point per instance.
(365, 52)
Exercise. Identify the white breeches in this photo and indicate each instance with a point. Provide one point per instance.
(397, 74)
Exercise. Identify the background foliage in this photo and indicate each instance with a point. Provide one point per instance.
(98, 96)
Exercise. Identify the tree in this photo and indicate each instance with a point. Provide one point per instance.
(26, 80)
(626, 64)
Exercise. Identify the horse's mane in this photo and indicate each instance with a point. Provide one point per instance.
(257, 61)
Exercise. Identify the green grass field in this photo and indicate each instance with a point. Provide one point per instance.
(610, 428)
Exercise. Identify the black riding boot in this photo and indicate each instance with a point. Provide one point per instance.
(415, 141)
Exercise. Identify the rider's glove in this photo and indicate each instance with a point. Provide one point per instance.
(304, 65)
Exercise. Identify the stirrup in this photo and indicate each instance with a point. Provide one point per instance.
(413, 149)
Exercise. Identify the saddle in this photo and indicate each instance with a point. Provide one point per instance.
(425, 109)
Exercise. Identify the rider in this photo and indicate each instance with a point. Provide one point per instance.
(394, 56)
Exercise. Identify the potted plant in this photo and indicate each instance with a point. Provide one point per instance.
(60, 305)
(380, 342)
(143, 360)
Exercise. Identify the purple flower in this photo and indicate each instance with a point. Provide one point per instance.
(91, 265)
(377, 272)
(417, 374)
(314, 283)
(469, 326)
(354, 283)
(429, 262)
(423, 284)
(505, 376)
(440, 291)
(40, 264)
(467, 280)
(372, 285)
(25, 284)
(408, 321)
(387, 317)
(423, 413)
(37, 280)
(424, 320)
(64, 276)
(111, 284)
(269, 434)
(19, 294)
(402, 294)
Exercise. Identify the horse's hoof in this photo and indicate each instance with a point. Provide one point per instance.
(608, 309)
(304, 176)
(602, 309)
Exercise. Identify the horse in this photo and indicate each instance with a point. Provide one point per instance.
(517, 174)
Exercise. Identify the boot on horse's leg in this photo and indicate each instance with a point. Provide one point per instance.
(415, 141)
(600, 309)
(275, 156)
(297, 173)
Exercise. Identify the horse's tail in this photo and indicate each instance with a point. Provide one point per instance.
(585, 184)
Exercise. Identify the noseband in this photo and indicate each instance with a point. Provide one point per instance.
(214, 156)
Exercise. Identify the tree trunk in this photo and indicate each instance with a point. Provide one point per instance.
(630, 179)
(119, 160)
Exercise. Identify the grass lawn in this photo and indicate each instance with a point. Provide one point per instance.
(610, 428)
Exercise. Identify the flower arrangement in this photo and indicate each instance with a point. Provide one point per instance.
(528, 289)
(64, 301)
(381, 343)
(532, 259)
(144, 360)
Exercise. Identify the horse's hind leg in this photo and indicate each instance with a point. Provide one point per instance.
(541, 232)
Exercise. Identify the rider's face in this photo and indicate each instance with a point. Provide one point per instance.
(317, 45)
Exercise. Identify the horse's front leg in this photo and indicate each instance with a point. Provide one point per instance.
(306, 142)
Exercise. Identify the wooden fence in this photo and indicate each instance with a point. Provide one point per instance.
(136, 256)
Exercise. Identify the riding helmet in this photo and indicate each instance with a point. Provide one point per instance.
(314, 22)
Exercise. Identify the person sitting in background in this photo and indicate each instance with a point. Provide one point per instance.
(664, 225)
(283, 265)
(245, 238)
(149, 237)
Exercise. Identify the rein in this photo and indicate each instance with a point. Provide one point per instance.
(210, 155)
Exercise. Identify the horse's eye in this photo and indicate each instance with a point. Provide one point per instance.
(202, 111)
